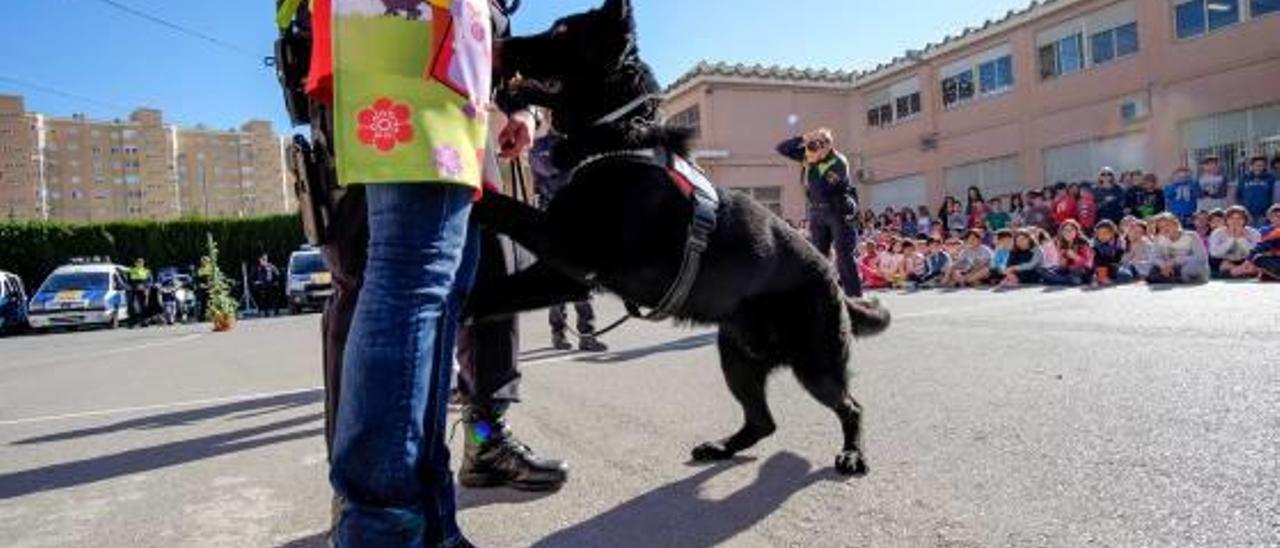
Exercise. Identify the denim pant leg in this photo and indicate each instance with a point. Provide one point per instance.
(395, 360)
(441, 499)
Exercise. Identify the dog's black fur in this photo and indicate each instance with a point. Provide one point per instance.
(775, 298)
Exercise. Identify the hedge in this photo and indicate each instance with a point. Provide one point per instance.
(33, 250)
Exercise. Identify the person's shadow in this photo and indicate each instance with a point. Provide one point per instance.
(676, 514)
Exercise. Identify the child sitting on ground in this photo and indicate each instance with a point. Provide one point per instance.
(1266, 258)
(891, 265)
(867, 263)
(1000, 257)
(1231, 246)
(1025, 261)
(913, 262)
(1075, 264)
(1180, 255)
(1048, 248)
(973, 264)
(1108, 254)
(936, 263)
(1139, 250)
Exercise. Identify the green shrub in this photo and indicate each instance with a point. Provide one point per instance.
(33, 250)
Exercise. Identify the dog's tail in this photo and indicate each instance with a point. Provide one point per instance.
(868, 317)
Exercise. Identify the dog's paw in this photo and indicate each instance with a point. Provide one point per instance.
(850, 463)
(711, 452)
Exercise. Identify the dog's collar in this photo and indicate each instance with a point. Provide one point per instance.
(626, 109)
(646, 154)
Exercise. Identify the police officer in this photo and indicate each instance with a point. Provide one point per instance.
(139, 288)
(397, 490)
(833, 201)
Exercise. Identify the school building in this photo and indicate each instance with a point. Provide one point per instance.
(1051, 93)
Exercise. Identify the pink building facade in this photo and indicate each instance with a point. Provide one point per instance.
(1052, 93)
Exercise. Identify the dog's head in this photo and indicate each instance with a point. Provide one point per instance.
(583, 67)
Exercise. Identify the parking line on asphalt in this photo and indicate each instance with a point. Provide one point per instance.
(121, 350)
(174, 405)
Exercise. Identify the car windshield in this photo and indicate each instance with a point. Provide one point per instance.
(307, 263)
(79, 281)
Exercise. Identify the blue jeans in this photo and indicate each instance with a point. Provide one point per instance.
(390, 459)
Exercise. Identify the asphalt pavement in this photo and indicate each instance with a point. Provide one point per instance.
(1126, 417)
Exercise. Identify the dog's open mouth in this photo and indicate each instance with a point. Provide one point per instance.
(549, 86)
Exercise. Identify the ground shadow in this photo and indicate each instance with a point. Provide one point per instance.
(676, 515)
(544, 353)
(678, 345)
(479, 498)
(318, 540)
(95, 469)
(245, 409)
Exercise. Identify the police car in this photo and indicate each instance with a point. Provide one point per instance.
(79, 295)
(310, 283)
(13, 303)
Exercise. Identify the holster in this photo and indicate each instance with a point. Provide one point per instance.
(316, 187)
(293, 63)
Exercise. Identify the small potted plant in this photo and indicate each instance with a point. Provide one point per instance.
(222, 306)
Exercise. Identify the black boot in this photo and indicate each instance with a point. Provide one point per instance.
(560, 342)
(589, 343)
(494, 458)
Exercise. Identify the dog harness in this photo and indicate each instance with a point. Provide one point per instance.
(706, 203)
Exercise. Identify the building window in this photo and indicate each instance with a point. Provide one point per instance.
(908, 106)
(880, 115)
(1112, 44)
(1259, 8)
(987, 78)
(1066, 56)
(690, 119)
(1196, 17)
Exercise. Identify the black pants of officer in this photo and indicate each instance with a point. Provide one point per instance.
(559, 318)
(826, 229)
(488, 350)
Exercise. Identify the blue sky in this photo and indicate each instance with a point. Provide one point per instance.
(114, 62)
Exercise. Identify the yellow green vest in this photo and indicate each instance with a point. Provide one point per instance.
(412, 86)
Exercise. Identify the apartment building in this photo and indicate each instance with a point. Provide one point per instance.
(81, 170)
(18, 166)
(1050, 93)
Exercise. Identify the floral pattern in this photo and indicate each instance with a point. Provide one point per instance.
(448, 161)
(385, 124)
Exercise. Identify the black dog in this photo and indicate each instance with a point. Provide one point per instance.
(623, 223)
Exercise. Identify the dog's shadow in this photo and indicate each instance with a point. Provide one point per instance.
(676, 514)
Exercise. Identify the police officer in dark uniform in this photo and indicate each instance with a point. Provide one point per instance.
(833, 201)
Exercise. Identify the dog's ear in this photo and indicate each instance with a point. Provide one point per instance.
(618, 10)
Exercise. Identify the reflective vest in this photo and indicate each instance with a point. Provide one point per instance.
(139, 274)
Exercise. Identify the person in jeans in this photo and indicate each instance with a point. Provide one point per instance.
(833, 201)
(402, 255)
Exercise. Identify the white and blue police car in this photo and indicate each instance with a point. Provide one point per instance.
(13, 303)
(81, 294)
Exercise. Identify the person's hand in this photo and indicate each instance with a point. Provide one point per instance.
(516, 138)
